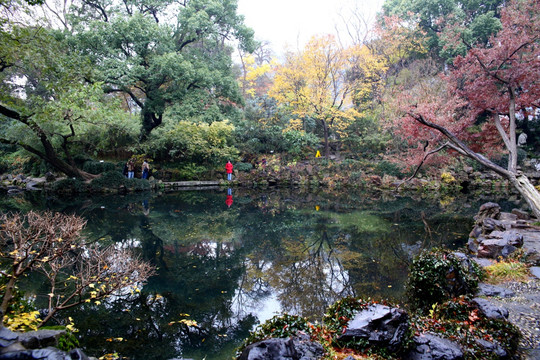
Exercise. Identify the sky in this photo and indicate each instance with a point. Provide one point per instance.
(293, 22)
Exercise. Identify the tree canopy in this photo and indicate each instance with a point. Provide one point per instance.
(182, 63)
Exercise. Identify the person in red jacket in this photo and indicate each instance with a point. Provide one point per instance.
(228, 170)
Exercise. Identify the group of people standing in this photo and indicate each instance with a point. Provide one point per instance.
(129, 169)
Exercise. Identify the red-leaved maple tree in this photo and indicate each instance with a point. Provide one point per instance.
(496, 82)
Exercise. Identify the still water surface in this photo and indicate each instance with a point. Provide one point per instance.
(229, 260)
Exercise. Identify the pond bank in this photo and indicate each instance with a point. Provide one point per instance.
(497, 235)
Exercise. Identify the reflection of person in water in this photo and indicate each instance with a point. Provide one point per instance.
(146, 208)
(229, 200)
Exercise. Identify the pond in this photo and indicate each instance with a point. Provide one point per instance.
(228, 259)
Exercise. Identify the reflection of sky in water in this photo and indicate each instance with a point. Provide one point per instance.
(266, 309)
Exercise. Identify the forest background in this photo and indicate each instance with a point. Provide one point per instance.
(185, 84)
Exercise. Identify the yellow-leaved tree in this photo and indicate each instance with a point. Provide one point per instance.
(313, 84)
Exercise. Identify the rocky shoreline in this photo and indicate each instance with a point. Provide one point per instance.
(498, 234)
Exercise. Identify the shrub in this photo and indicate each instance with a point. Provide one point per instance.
(70, 186)
(280, 326)
(338, 314)
(460, 320)
(387, 168)
(191, 171)
(246, 167)
(439, 275)
(97, 167)
(108, 180)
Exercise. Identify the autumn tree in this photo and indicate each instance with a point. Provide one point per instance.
(314, 84)
(496, 82)
(78, 272)
(256, 70)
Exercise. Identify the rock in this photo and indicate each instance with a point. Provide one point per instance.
(492, 347)
(40, 339)
(37, 354)
(499, 243)
(49, 177)
(521, 215)
(475, 232)
(432, 347)
(492, 290)
(298, 348)
(535, 271)
(490, 310)
(307, 349)
(35, 345)
(504, 216)
(77, 354)
(487, 210)
(380, 325)
(7, 337)
(484, 262)
(489, 225)
(33, 185)
(13, 190)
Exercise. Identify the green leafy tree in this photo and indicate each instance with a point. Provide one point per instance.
(165, 54)
(189, 142)
(477, 20)
(46, 105)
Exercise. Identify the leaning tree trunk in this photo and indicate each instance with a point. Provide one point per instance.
(527, 191)
(522, 184)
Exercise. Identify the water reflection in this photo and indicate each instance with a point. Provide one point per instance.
(221, 270)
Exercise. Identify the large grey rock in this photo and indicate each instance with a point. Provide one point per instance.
(78, 354)
(36, 354)
(40, 339)
(380, 325)
(490, 310)
(493, 290)
(498, 243)
(7, 337)
(297, 348)
(488, 210)
(433, 347)
(307, 349)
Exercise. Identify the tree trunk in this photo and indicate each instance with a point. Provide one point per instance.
(150, 121)
(517, 179)
(326, 145)
(48, 153)
(527, 191)
(8, 295)
(50, 157)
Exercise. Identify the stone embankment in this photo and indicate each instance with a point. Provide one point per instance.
(498, 235)
(35, 345)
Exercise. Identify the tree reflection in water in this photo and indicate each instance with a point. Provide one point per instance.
(221, 270)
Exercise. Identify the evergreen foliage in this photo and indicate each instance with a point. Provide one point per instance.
(438, 275)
